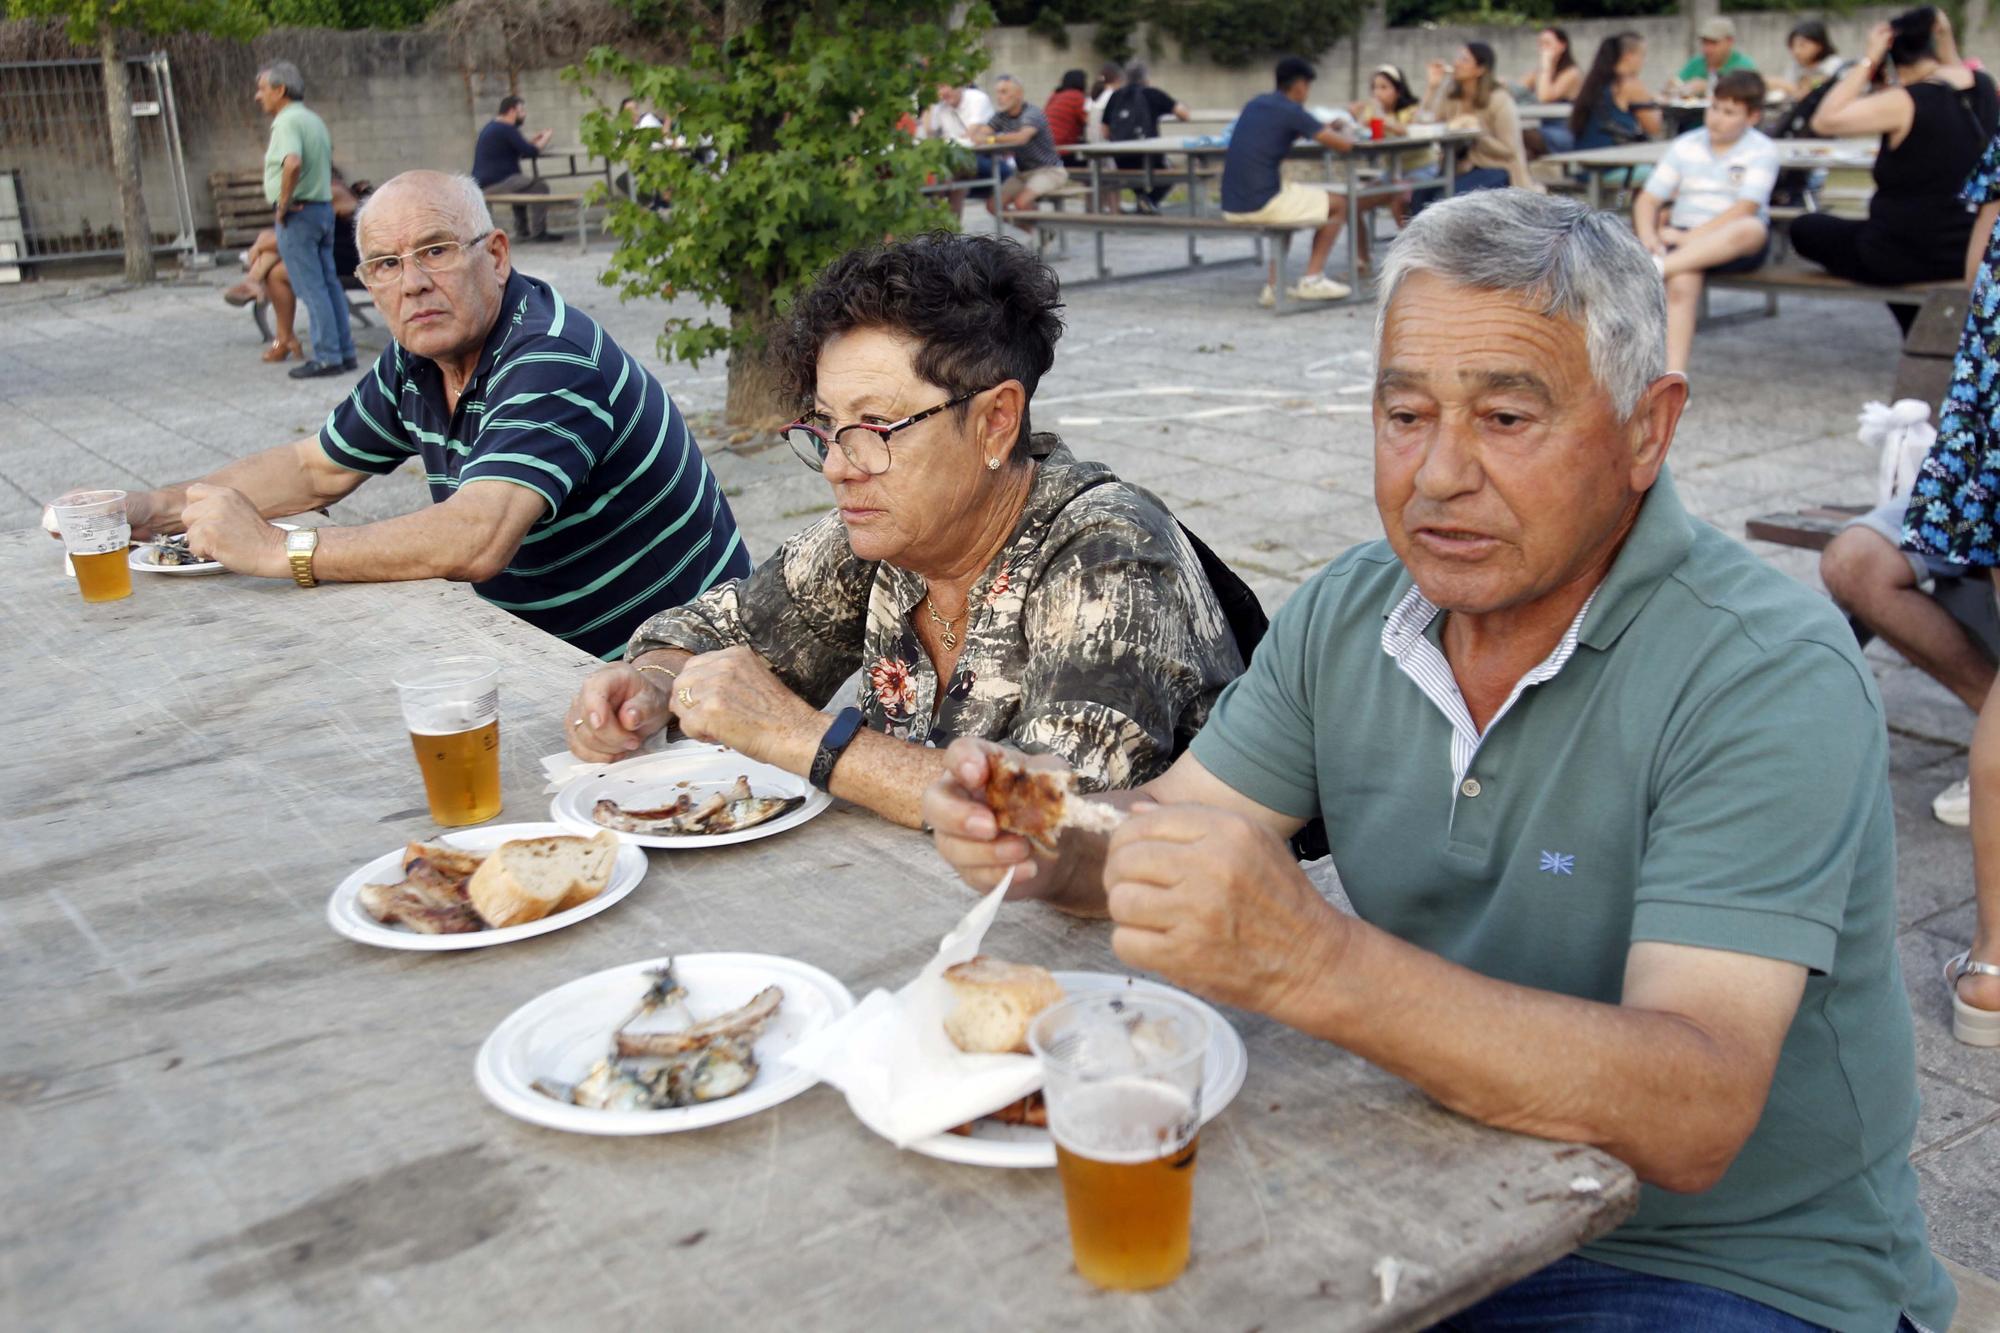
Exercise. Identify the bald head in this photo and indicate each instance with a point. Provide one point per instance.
(453, 201)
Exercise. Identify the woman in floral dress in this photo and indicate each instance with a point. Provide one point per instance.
(1951, 516)
(980, 579)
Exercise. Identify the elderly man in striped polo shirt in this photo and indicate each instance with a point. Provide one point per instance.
(568, 489)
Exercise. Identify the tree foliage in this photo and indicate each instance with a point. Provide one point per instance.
(806, 108)
(382, 14)
(86, 20)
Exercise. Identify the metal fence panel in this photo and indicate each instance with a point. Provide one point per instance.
(55, 161)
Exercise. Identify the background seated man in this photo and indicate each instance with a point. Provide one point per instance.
(1608, 793)
(1718, 180)
(496, 165)
(568, 489)
(1254, 188)
(1019, 125)
(1718, 56)
(1950, 633)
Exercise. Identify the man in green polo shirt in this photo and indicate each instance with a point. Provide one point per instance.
(1609, 796)
(298, 181)
(1717, 57)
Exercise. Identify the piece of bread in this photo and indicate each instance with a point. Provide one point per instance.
(449, 862)
(529, 878)
(996, 1002)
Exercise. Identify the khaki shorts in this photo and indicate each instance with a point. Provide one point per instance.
(1040, 181)
(1293, 205)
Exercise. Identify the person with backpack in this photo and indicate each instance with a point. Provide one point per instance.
(1133, 112)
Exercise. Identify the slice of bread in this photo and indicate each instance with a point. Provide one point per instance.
(530, 878)
(996, 1002)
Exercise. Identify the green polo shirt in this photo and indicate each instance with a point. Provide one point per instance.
(295, 129)
(1710, 768)
(1697, 68)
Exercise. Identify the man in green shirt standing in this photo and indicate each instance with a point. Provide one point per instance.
(298, 182)
(1609, 796)
(1718, 56)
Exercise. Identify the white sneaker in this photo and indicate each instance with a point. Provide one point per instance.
(1319, 287)
(1267, 298)
(1953, 805)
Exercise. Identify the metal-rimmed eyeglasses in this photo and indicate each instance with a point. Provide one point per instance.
(435, 258)
(865, 444)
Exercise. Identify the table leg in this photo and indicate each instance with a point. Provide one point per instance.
(1596, 188)
(1097, 184)
(582, 223)
(1450, 170)
(1353, 221)
(999, 223)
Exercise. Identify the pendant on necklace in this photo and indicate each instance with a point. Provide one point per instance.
(949, 640)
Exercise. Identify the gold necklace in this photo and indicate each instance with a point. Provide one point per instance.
(948, 637)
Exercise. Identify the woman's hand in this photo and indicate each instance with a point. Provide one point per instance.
(733, 698)
(1880, 38)
(1670, 237)
(1435, 73)
(615, 711)
(1549, 49)
(1945, 39)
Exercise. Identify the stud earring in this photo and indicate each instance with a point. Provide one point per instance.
(992, 465)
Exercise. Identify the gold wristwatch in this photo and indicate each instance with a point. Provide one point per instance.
(299, 548)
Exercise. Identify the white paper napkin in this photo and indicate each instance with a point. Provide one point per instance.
(891, 1056)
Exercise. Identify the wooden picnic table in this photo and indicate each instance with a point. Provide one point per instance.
(1343, 170)
(592, 165)
(220, 1111)
(1793, 154)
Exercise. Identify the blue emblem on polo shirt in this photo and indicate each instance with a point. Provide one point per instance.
(1558, 863)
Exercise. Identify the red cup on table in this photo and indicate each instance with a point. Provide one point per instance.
(1374, 127)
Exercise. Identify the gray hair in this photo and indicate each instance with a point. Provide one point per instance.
(1136, 72)
(458, 194)
(284, 74)
(1576, 264)
(999, 79)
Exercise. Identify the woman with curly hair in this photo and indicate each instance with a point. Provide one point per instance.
(981, 579)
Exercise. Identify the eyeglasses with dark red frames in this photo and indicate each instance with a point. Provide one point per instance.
(866, 446)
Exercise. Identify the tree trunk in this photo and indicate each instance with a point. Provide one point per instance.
(125, 158)
(755, 402)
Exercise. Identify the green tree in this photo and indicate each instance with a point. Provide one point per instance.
(804, 104)
(1236, 32)
(97, 23)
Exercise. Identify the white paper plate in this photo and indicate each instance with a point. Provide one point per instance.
(990, 1144)
(141, 558)
(697, 770)
(562, 1033)
(345, 913)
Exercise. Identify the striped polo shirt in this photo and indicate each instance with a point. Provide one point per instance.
(636, 522)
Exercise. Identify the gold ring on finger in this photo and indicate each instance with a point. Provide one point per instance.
(685, 697)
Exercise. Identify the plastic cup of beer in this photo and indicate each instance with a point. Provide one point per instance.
(1122, 1078)
(96, 535)
(452, 708)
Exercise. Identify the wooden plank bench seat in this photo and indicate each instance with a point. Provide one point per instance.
(552, 200)
(1049, 222)
(359, 306)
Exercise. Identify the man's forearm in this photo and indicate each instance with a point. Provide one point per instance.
(431, 543)
(273, 479)
(1649, 1087)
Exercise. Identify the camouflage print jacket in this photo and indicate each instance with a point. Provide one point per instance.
(1094, 634)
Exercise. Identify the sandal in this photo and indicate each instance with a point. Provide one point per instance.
(1969, 1023)
(278, 351)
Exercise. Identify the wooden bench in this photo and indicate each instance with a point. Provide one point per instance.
(359, 305)
(1052, 223)
(1796, 279)
(241, 211)
(582, 202)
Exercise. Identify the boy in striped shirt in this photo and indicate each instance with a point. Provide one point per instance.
(1718, 179)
